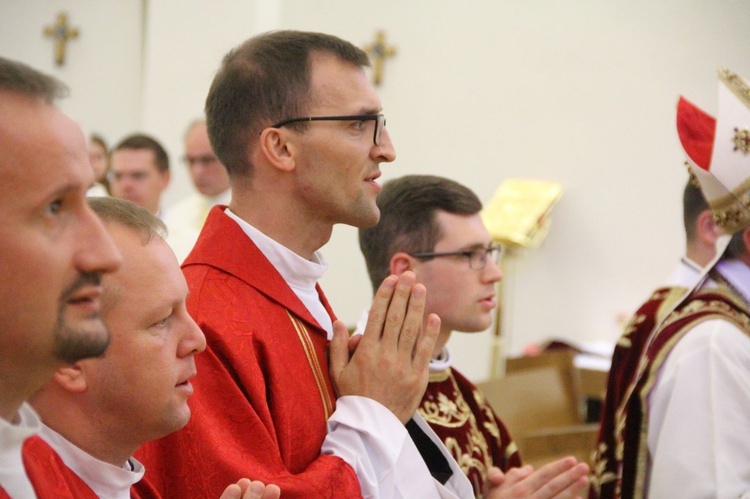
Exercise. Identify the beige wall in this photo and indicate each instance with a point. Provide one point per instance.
(103, 65)
(581, 92)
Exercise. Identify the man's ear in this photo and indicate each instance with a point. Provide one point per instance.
(707, 229)
(275, 146)
(401, 262)
(71, 378)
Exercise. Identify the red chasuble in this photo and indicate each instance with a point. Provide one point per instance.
(144, 490)
(463, 419)
(624, 367)
(263, 394)
(622, 462)
(50, 477)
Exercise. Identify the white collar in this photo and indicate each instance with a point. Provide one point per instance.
(105, 479)
(298, 272)
(12, 435)
(441, 362)
(737, 274)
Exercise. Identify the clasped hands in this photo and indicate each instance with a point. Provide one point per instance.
(389, 363)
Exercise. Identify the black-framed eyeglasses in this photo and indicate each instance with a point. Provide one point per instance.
(477, 257)
(379, 120)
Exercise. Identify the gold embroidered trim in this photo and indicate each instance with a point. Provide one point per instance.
(736, 84)
(312, 359)
(732, 211)
(714, 307)
(455, 412)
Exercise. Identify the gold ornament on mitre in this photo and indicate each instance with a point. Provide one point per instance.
(718, 151)
(518, 213)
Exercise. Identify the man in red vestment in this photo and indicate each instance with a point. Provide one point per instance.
(431, 226)
(295, 120)
(683, 429)
(96, 412)
(54, 252)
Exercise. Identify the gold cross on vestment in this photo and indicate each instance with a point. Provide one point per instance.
(379, 51)
(61, 33)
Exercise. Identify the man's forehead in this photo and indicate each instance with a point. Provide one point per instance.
(42, 148)
(340, 84)
(469, 227)
(134, 159)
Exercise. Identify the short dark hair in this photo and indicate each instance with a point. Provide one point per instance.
(262, 81)
(20, 78)
(736, 247)
(693, 204)
(98, 139)
(129, 214)
(408, 207)
(142, 141)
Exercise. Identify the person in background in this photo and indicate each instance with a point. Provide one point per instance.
(683, 429)
(701, 234)
(54, 250)
(99, 159)
(140, 172)
(186, 217)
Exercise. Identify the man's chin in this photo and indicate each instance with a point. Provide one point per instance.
(87, 339)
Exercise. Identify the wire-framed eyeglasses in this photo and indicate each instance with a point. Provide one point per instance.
(379, 120)
(477, 257)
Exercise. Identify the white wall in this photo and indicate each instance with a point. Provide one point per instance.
(582, 92)
(103, 66)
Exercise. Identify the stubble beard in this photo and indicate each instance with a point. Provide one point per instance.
(89, 339)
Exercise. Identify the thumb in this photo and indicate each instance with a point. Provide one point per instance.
(338, 350)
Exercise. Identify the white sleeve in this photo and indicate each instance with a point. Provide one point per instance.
(699, 416)
(378, 447)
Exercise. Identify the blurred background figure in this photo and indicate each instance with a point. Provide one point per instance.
(140, 172)
(185, 218)
(99, 159)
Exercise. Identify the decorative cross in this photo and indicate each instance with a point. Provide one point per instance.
(61, 33)
(742, 140)
(379, 52)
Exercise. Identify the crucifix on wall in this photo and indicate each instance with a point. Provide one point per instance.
(379, 51)
(61, 32)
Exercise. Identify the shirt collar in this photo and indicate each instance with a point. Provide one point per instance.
(737, 274)
(297, 271)
(105, 479)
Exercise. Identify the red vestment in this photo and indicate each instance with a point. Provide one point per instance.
(622, 458)
(50, 477)
(263, 394)
(463, 419)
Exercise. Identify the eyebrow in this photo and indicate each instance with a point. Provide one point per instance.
(370, 110)
(65, 189)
